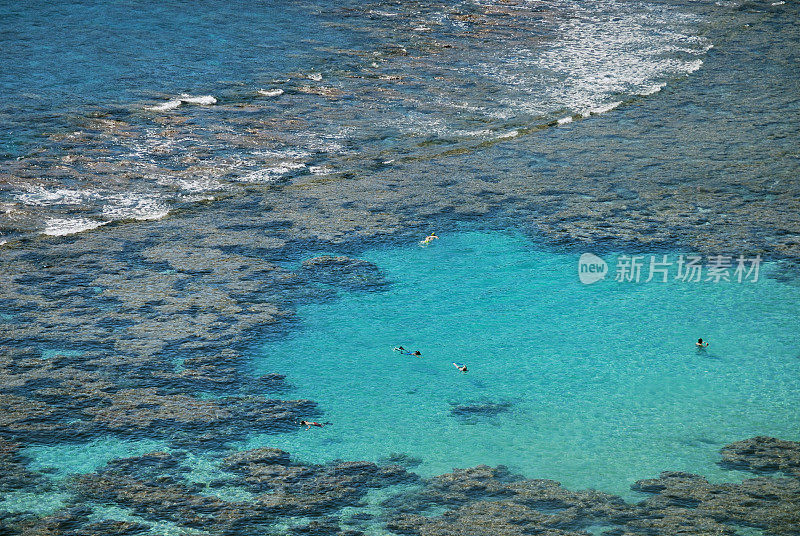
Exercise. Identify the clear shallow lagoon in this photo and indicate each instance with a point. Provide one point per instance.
(603, 383)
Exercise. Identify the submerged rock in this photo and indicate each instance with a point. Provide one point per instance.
(481, 500)
(401, 459)
(486, 500)
(763, 455)
(471, 412)
(155, 486)
(682, 502)
(342, 271)
(13, 472)
(262, 456)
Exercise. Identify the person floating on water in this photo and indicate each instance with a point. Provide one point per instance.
(701, 344)
(460, 366)
(428, 239)
(406, 352)
(309, 424)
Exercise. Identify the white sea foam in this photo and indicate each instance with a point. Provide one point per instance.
(68, 226)
(316, 77)
(166, 106)
(192, 185)
(41, 197)
(605, 50)
(508, 135)
(131, 207)
(650, 90)
(197, 198)
(270, 92)
(271, 174)
(778, 3)
(693, 66)
(602, 109)
(205, 100)
(565, 120)
(320, 170)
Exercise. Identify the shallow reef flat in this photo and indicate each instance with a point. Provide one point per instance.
(156, 489)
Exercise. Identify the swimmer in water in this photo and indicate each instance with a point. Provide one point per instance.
(309, 424)
(399, 349)
(461, 367)
(428, 239)
(700, 343)
(406, 352)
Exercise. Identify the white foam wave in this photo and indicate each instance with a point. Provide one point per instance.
(508, 135)
(271, 174)
(42, 197)
(693, 66)
(205, 100)
(166, 106)
(320, 170)
(68, 226)
(193, 185)
(198, 198)
(130, 207)
(602, 109)
(565, 120)
(606, 49)
(650, 90)
(316, 77)
(270, 92)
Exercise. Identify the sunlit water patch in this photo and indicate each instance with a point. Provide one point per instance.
(592, 385)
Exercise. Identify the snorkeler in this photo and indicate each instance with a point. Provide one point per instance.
(406, 352)
(428, 239)
(309, 424)
(460, 366)
(701, 344)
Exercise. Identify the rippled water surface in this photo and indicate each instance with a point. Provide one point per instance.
(171, 173)
(122, 113)
(589, 385)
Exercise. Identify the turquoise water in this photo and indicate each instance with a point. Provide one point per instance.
(602, 384)
(90, 456)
